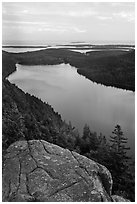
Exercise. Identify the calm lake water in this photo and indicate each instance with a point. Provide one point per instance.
(78, 99)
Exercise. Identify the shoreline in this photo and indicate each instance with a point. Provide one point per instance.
(105, 67)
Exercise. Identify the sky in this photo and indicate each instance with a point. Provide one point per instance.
(41, 23)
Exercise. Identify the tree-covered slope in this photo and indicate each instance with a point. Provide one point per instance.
(26, 117)
(110, 67)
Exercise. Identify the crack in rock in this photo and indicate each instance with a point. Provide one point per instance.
(44, 171)
(64, 187)
(27, 185)
(80, 165)
(31, 154)
(47, 172)
(9, 191)
(19, 175)
(39, 165)
(105, 175)
(84, 168)
(45, 148)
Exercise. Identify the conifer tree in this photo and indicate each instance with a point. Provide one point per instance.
(86, 132)
(120, 162)
(118, 140)
(89, 140)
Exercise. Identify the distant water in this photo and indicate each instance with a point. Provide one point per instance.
(83, 49)
(30, 49)
(17, 50)
(89, 50)
(78, 99)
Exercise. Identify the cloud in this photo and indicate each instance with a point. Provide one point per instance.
(42, 26)
(81, 13)
(49, 9)
(50, 29)
(68, 13)
(25, 22)
(79, 30)
(25, 11)
(68, 20)
(61, 29)
(116, 4)
(104, 17)
(129, 16)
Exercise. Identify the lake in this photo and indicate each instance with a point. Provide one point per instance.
(78, 99)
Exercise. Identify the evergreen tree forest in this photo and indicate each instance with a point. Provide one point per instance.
(114, 155)
(25, 117)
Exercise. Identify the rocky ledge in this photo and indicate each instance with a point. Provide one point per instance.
(37, 171)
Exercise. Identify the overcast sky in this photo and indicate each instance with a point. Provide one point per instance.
(41, 23)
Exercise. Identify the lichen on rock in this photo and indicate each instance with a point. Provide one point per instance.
(36, 170)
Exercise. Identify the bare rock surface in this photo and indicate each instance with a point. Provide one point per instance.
(117, 198)
(36, 170)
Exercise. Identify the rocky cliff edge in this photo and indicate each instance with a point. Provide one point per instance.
(36, 170)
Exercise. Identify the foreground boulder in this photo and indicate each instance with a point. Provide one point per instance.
(117, 198)
(39, 171)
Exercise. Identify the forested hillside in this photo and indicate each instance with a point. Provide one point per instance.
(112, 68)
(26, 117)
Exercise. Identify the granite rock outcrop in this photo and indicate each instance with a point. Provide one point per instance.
(38, 171)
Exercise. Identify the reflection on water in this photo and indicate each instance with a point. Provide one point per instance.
(89, 50)
(78, 99)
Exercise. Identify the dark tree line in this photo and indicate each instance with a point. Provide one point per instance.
(111, 68)
(25, 117)
(113, 155)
